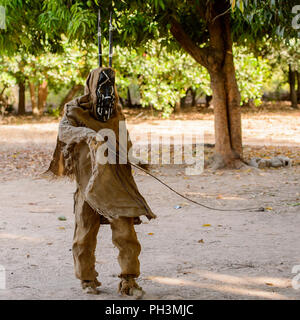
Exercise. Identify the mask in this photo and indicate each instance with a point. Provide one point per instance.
(105, 93)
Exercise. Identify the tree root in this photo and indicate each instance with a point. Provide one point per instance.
(220, 163)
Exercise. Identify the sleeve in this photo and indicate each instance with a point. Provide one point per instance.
(70, 129)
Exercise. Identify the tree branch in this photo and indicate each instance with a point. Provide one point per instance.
(4, 88)
(199, 54)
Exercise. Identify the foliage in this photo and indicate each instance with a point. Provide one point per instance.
(58, 69)
(55, 40)
(286, 53)
(137, 21)
(252, 73)
(6, 79)
(256, 22)
(54, 112)
(23, 33)
(163, 78)
(69, 68)
(279, 58)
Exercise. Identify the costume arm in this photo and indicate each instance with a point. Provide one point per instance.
(70, 130)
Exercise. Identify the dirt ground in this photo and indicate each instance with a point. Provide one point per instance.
(188, 252)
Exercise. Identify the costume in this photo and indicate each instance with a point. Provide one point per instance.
(106, 192)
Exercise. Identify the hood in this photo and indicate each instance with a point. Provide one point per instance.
(101, 89)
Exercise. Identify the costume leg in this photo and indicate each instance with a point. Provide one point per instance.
(125, 239)
(87, 223)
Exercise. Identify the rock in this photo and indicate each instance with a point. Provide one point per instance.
(254, 162)
(286, 162)
(178, 207)
(275, 162)
(263, 163)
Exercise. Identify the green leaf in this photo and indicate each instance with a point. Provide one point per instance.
(233, 2)
(241, 6)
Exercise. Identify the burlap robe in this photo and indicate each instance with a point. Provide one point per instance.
(109, 189)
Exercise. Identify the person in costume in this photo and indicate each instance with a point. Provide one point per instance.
(106, 192)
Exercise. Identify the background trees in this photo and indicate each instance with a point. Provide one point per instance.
(205, 30)
(165, 47)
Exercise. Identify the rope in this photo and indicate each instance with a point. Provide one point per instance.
(257, 209)
(191, 200)
(99, 39)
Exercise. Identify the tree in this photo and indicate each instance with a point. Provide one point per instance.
(14, 68)
(162, 77)
(204, 29)
(6, 82)
(217, 58)
(54, 71)
(252, 73)
(298, 85)
(22, 37)
(292, 83)
(286, 56)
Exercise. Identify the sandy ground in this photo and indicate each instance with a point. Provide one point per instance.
(187, 253)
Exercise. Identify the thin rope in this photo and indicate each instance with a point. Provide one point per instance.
(99, 39)
(110, 40)
(257, 209)
(191, 200)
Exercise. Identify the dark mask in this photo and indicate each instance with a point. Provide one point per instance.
(105, 95)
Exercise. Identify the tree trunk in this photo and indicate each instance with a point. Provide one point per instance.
(42, 96)
(183, 100)
(207, 101)
(233, 97)
(122, 102)
(293, 92)
(177, 107)
(226, 97)
(129, 102)
(34, 107)
(3, 102)
(218, 60)
(298, 85)
(21, 104)
(193, 97)
(70, 95)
